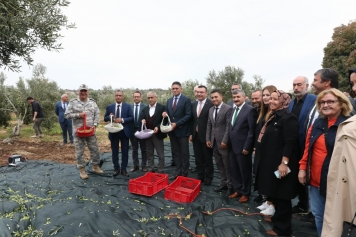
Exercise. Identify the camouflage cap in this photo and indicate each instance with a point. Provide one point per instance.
(83, 87)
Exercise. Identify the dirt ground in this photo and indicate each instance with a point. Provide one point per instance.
(36, 149)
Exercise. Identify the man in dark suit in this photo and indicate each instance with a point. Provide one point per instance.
(151, 116)
(121, 113)
(242, 135)
(300, 107)
(217, 137)
(179, 109)
(203, 154)
(66, 124)
(137, 108)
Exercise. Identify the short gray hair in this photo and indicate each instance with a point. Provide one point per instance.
(152, 92)
(63, 96)
(120, 91)
(235, 92)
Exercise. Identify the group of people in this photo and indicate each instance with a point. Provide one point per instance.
(299, 145)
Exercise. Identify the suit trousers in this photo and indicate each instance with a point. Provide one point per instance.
(153, 143)
(79, 145)
(180, 150)
(203, 159)
(282, 218)
(303, 196)
(66, 127)
(222, 161)
(241, 172)
(114, 140)
(134, 143)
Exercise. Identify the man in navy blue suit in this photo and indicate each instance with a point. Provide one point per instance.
(66, 124)
(179, 110)
(121, 113)
(300, 107)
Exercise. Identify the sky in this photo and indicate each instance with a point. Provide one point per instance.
(149, 44)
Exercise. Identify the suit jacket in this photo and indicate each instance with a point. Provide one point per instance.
(307, 106)
(231, 103)
(156, 120)
(242, 133)
(141, 107)
(60, 111)
(200, 121)
(180, 116)
(219, 129)
(126, 114)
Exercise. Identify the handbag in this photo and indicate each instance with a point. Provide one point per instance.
(166, 128)
(349, 229)
(113, 127)
(144, 133)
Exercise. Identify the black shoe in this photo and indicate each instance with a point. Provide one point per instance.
(116, 172)
(298, 210)
(135, 168)
(124, 173)
(220, 188)
(173, 164)
(230, 191)
(308, 218)
(194, 170)
(207, 182)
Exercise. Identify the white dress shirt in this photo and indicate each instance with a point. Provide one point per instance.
(152, 109)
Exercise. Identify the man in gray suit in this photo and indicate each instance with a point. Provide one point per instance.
(137, 108)
(217, 137)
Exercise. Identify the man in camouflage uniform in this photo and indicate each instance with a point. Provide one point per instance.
(76, 110)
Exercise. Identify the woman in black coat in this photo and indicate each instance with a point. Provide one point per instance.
(278, 151)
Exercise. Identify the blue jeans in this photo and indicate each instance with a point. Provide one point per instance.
(317, 203)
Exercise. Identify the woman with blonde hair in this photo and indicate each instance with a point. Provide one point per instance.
(334, 108)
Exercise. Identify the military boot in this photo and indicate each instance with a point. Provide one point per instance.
(82, 173)
(96, 169)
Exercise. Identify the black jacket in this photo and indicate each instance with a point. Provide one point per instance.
(280, 139)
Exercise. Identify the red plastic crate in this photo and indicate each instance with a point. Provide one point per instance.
(149, 184)
(183, 189)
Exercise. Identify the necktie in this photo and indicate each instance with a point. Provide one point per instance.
(136, 117)
(118, 114)
(216, 113)
(64, 106)
(200, 108)
(175, 104)
(235, 116)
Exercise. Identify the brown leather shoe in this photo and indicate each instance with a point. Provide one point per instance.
(271, 232)
(267, 219)
(135, 168)
(234, 195)
(144, 169)
(244, 199)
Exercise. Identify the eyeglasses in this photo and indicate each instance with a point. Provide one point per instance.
(150, 97)
(83, 90)
(327, 102)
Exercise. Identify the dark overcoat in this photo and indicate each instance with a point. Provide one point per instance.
(280, 139)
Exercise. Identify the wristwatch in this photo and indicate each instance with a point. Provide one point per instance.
(285, 162)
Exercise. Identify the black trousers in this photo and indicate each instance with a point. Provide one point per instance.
(203, 159)
(282, 218)
(241, 172)
(134, 143)
(180, 150)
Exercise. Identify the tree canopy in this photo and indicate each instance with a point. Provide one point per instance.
(26, 25)
(340, 53)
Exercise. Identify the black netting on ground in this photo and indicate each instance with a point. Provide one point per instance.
(41, 198)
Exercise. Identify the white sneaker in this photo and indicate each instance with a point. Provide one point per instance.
(264, 206)
(269, 211)
(34, 136)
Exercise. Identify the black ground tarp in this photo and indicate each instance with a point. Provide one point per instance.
(41, 198)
